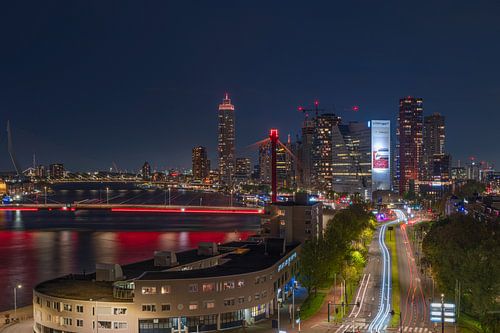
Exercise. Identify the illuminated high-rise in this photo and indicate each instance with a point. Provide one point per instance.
(434, 138)
(322, 151)
(351, 161)
(226, 142)
(409, 143)
(201, 164)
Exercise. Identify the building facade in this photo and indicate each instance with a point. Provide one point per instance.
(226, 141)
(409, 143)
(211, 288)
(146, 171)
(56, 171)
(201, 164)
(434, 140)
(322, 151)
(351, 162)
(243, 170)
(381, 155)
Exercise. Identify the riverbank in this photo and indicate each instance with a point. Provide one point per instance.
(7, 318)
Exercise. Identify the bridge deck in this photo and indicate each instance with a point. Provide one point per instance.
(118, 208)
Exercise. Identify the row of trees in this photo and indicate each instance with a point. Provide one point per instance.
(464, 249)
(342, 249)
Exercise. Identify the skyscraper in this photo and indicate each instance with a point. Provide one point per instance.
(284, 176)
(56, 171)
(226, 142)
(304, 155)
(351, 161)
(434, 138)
(322, 151)
(410, 141)
(243, 169)
(146, 171)
(201, 164)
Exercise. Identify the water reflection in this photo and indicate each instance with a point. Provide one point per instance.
(42, 245)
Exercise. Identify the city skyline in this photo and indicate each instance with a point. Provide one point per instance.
(133, 98)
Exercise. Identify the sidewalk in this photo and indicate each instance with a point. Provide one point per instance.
(23, 314)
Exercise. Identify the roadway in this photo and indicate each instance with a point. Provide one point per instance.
(414, 301)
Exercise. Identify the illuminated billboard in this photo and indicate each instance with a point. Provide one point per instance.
(381, 154)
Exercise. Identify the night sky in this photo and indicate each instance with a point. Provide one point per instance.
(90, 83)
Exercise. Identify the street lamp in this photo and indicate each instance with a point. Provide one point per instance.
(45, 191)
(107, 195)
(279, 300)
(19, 286)
(298, 315)
(169, 196)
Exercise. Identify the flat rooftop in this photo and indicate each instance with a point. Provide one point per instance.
(237, 258)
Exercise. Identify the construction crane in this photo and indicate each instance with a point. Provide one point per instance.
(306, 111)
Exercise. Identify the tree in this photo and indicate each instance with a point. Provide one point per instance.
(462, 248)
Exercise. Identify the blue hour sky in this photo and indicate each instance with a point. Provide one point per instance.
(89, 83)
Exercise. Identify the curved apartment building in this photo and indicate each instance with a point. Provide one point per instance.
(206, 289)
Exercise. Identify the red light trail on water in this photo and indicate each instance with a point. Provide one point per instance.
(22, 209)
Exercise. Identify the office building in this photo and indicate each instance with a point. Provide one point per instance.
(226, 142)
(304, 163)
(201, 164)
(40, 171)
(351, 159)
(322, 151)
(284, 165)
(56, 171)
(146, 171)
(295, 221)
(210, 288)
(434, 140)
(409, 143)
(243, 170)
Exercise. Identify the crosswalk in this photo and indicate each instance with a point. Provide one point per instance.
(364, 327)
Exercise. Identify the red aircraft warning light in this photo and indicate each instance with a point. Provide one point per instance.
(355, 108)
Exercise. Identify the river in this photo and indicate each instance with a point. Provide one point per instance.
(36, 246)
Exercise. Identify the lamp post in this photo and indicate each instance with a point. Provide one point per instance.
(298, 314)
(107, 195)
(19, 286)
(294, 285)
(169, 196)
(442, 313)
(279, 306)
(45, 194)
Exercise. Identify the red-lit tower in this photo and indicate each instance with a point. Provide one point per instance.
(273, 136)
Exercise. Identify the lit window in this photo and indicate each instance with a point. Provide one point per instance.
(241, 283)
(148, 290)
(208, 287)
(193, 306)
(165, 289)
(228, 285)
(67, 307)
(209, 304)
